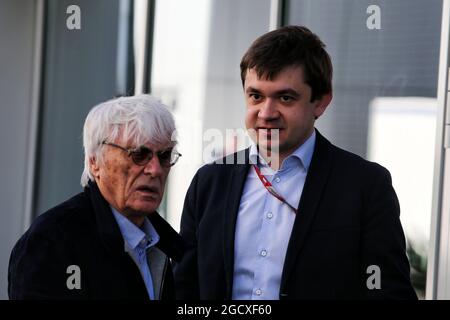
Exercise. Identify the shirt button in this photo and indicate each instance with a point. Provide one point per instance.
(263, 253)
(258, 292)
(277, 179)
(269, 215)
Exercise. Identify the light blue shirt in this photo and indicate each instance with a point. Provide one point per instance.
(264, 224)
(137, 241)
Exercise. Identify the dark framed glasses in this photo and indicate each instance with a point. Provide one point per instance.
(142, 155)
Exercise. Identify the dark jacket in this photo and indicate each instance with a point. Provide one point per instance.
(82, 231)
(348, 220)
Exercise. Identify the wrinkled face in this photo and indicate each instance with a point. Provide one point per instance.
(282, 103)
(131, 189)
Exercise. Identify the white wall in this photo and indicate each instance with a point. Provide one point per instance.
(401, 137)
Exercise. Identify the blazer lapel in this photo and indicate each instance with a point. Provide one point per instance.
(238, 176)
(312, 192)
(107, 226)
(170, 241)
(158, 264)
(131, 284)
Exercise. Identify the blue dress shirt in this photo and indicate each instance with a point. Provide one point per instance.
(137, 241)
(264, 224)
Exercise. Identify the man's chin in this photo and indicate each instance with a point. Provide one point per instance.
(146, 207)
(268, 147)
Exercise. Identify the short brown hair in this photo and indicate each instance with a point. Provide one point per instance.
(291, 46)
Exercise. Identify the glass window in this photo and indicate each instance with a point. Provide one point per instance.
(80, 70)
(197, 49)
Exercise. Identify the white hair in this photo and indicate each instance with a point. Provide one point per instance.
(140, 119)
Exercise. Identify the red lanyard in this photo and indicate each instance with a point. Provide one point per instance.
(271, 189)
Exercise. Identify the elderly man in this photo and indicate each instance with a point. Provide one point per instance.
(107, 242)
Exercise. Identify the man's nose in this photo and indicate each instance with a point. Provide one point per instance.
(268, 110)
(153, 167)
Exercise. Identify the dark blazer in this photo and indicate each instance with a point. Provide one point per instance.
(348, 220)
(83, 231)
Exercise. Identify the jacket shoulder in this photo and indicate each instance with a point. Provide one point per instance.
(65, 215)
(59, 222)
(225, 164)
(353, 162)
(40, 257)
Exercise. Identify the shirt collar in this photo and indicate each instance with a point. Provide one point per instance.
(303, 153)
(134, 235)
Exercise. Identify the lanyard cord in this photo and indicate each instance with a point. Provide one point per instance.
(271, 189)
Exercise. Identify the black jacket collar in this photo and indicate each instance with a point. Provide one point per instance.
(315, 183)
(170, 242)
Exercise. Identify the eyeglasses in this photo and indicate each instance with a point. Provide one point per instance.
(142, 155)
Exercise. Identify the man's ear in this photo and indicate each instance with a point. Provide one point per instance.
(94, 167)
(321, 104)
